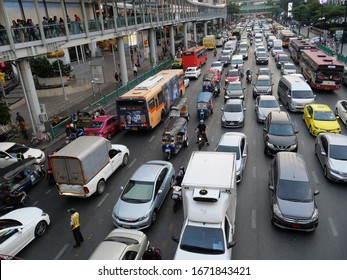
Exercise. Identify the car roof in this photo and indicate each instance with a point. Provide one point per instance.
(294, 166)
(319, 107)
(103, 118)
(6, 145)
(264, 77)
(234, 82)
(279, 117)
(233, 70)
(264, 69)
(234, 101)
(231, 138)
(191, 67)
(266, 97)
(335, 139)
(148, 171)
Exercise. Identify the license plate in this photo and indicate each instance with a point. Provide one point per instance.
(126, 226)
(91, 134)
(134, 128)
(296, 225)
(167, 150)
(201, 107)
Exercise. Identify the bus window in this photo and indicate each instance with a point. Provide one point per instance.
(151, 104)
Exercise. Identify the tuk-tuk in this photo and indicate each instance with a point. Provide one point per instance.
(21, 175)
(180, 109)
(211, 82)
(174, 137)
(83, 119)
(204, 104)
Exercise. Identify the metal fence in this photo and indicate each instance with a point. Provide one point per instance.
(59, 129)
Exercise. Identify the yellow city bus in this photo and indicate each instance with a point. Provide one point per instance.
(146, 105)
(209, 42)
(285, 36)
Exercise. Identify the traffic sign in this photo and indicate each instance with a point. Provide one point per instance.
(338, 34)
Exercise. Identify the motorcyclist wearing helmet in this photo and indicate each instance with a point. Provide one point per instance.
(201, 129)
(67, 130)
(73, 130)
(248, 72)
(180, 175)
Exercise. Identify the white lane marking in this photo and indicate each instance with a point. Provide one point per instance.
(254, 171)
(103, 199)
(254, 219)
(35, 203)
(151, 139)
(61, 252)
(131, 163)
(333, 227)
(212, 138)
(315, 177)
(47, 192)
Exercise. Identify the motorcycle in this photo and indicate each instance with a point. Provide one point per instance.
(215, 53)
(152, 253)
(176, 197)
(71, 137)
(215, 92)
(201, 140)
(249, 78)
(12, 201)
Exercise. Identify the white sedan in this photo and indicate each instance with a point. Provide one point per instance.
(193, 72)
(218, 65)
(9, 153)
(20, 227)
(122, 244)
(341, 110)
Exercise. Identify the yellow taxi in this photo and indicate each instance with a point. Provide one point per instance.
(320, 118)
(177, 63)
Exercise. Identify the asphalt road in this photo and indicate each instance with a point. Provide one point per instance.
(256, 238)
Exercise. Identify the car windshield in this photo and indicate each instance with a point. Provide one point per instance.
(233, 73)
(216, 64)
(190, 70)
(231, 86)
(138, 192)
(338, 152)
(302, 94)
(281, 129)
(16, 148)
(203, 240)
(277, 48)
(294, 190)
(264, 72)
(263, 83)
(243, 51)
(96, 125)
(289, 66)
(262, 54)
(229, 149)
(238, 61)
(233, 108)
(223, 58)
(269, 104)
(324, 116)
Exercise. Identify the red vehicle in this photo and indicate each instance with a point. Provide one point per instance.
(296, 46)
(321, 70)
(105, 126)
(233, 75)
(194, 57)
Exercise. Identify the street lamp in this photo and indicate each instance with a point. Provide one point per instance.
(344, 26)
(61, 75)
(322, 2)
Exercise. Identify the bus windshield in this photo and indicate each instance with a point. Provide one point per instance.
(324, 75)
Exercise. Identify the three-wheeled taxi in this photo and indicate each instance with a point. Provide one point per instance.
(204, 104)
(211, 82)
(174, 137)
(180, 109)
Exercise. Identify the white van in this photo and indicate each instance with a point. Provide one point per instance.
(237, 60)
(294, 93)
(230, 45)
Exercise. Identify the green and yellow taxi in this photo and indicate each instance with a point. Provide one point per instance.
(320, 118)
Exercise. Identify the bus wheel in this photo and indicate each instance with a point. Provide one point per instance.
(162, 115)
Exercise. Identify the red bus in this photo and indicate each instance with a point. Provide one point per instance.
(296, 46)
(321, 70)
(194, 57)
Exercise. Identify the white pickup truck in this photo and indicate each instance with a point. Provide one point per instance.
(82, 167)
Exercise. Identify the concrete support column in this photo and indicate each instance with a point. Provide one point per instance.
(185, 39)
(122, 61)
(92, 47)
(152, 47)
(205, 28)
(194, 32)
(172, 41)
(30, 95)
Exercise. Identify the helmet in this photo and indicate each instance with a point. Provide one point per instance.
(67, 126)
(182, 167)
(201, 121)
(247, 69)
(72, 125)
(71, 210)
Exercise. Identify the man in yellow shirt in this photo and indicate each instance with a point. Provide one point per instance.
(75, 227)
(2, 78)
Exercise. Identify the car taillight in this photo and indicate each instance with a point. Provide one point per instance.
(122, 125)
(85, 189)
(145, 125)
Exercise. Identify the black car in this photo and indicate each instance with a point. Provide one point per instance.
(281, 59)
(225, 59)
(279, 133)
(263, 86)
(234, 90)
(261, 58)
(292, 201)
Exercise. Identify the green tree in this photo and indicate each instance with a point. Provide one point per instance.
(233, 9)
(41, 67)
(5, 115)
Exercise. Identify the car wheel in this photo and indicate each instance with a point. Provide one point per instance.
(40, 228)
(325, 169)
(125, 160)
(287, 106)
(109, 136)
(101, 187)
(336, 112)
(154, 216)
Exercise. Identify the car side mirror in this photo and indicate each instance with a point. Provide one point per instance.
(314, 96)
(264, 129)
(244, 88)
(175, 239)
(122, 188)
(316, 192)
(221, 109)
(244, 109)
(160, 191)
(271, 188)
(231, 244)
(323, 153)
(296, 131)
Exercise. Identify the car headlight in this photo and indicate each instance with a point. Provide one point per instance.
(315, 214)
(144, 217)
(269, 90)
(255, 90)
(240, 119)
(277, 210)
(335, 171)
(316, 128)
(223, 118)
(269, 145)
